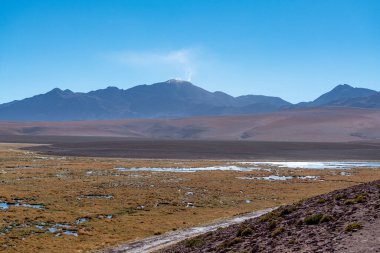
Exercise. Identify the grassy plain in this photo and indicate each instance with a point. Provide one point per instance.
(121, 206)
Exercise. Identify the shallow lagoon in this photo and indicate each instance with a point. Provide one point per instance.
(213, 168)
(318, 165)
(252, 166)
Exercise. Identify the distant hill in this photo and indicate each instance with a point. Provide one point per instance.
(372, 101)
(172, 98)
(336, 96)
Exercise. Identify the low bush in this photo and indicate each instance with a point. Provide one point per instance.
(349, 202)
(244, 231)
(274, 215)
(317, 219)
(352, 227)
(194, 242)
(229, 243)
(360, 198)
(277, 231)
(340, 196)
(287, 211)
(272, 225)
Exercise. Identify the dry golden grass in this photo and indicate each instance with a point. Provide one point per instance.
(142, 203)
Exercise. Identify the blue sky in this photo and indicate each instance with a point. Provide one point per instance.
(295, 49)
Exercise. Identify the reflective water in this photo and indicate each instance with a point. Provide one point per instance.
(252, 166)
(320, 165)
(213, 168)
(58, 229)
(81, 220)
(19, 203)
(279, 178)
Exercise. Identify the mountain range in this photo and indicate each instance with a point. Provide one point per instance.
(170, 99)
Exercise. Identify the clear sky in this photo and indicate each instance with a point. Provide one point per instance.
(295, 49)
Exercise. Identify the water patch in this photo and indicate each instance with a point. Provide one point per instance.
(319, 165)
(105, 216)
(19, 203)
(52, 230)
(279, 178)
(213, 168)
(81, 220)
(58, 229)
(69, 232)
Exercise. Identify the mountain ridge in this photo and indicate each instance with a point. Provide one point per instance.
(170, 99)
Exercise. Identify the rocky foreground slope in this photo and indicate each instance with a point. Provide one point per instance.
(345, 220)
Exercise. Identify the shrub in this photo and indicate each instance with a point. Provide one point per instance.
(313, 219)
(340, 196)
(360, 198)
(352, 227)
(277, 231)
(349, 202)
(321, 201)
(326, 218)
(194, 242)
(287, 211)
(244, 231)
(272, 225)
(270, 216)
(229, 243)
(317, 218)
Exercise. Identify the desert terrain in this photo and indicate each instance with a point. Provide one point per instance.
(325, 124)
(55, 203)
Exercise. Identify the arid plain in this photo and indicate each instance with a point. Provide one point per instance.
(52, 203)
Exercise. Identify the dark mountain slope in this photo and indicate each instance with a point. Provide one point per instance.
(54, 105)
(372, 101)
(341, 92)
(172, 98)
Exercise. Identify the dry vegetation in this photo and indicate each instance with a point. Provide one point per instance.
(135, 204)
